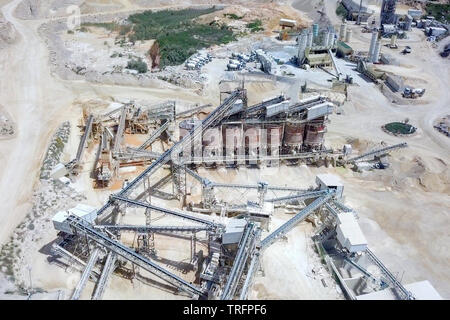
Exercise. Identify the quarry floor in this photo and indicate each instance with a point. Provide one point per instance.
(404, 210)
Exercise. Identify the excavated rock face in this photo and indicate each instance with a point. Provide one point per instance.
(8, 33)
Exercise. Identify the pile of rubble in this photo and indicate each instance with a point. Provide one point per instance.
(55, 150)
(191, 79)
(7, 127)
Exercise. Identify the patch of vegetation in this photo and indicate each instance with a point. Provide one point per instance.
(177, 34)
(341, 11)
(138, 65)
(440, 11)
(70, 31)
(400, 128)
(233, 16)
(255, 25)
(122, 29)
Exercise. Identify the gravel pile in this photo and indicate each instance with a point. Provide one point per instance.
(55, 150)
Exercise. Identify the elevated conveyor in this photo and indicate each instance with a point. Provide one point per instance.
(286, 227)
(84, 227)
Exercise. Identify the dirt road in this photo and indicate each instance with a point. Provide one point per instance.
(35, 101)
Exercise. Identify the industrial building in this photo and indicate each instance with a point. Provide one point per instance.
(356, 11)
(314, 48)
(387, 14)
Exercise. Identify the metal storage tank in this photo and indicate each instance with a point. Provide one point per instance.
(315, 29)
(331, 38)
(373, 42)
(376, 52)
(348, 35)
(314, 134)
(232, 136)
(309, 39)
(342, 30)
(252, 136)
(274, 134)
(302, 41)
(293, 134)
(325, 36)
(211, 138)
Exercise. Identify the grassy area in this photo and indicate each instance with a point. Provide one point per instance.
(341, 11)
(438, 10)
(400, 128)
(177, 34)
(255, 25)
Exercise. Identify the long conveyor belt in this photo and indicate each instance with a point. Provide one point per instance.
(164, 210)
(295, 220)
(214, 116)
(239, 262)
(155, 135)
(156, 229)
(85, 227)
(108, 269)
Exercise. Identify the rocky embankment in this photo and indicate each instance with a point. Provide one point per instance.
(8, 33)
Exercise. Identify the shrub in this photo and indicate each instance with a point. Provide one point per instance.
(138, 65)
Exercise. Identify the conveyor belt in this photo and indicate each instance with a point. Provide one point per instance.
(86, 274)
(264, 104)
(305, 195)
(245, 245)
(85, 227)
(378, 152)
(397, 284)
(254, 186)
(107, 271)
(214, 116)
(241, 159)
(254, 265)
(84, 137)
(187, 112)
(155, 135)
(286, 227)
(163, 210)
(156, 229)
(120, 130)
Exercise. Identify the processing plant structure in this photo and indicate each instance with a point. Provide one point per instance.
(99, 243)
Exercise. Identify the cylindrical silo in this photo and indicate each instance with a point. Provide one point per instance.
(394, 40)
(373, 41)
(293, 135)
(232, 137)
(309, 39)
(314, 134)
(408, 22)
(342, 31)
(274, 135)
(348, 36)
(325, 35)
(376, 53)
(315, 28)
(331, 38)
(301, 47)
